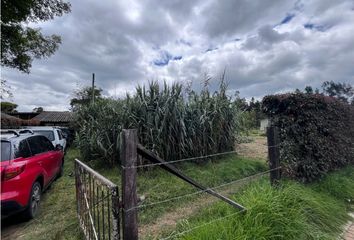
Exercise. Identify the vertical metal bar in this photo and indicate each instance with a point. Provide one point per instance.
(93, 203)
(115, 213)
(98, 213)
(79, 194)
(109, 218)
(84, 191)
(88, 194)
(103, 225)
(76, 186)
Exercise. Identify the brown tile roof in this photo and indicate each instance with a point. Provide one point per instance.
(47, 116)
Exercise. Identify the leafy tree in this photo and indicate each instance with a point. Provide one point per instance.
(241, 103)
(84, 97)
(342, 91)
(20, 44)
(8, 107)
(308, 90)
(38, 109)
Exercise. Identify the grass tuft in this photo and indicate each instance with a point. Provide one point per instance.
(292, 211)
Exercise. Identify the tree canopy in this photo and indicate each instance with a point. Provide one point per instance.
(38, 109)
(342, 91)
(83, 96)
(8, 107)
(20, 44)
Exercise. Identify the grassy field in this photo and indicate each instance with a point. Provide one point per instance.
(294, 211)
(57, 218)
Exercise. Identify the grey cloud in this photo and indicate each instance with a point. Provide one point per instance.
(119, 40)
(266, 36)
(235, 17)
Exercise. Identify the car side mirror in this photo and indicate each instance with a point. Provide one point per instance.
(58, 147)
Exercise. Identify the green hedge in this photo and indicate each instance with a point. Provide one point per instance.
(316, 132)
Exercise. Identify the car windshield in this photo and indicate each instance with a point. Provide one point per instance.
(47, 133)
(5, 150)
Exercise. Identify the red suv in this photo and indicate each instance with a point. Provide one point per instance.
(29, 163)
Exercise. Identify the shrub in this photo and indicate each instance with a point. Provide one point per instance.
(171, 122)
(316, 133)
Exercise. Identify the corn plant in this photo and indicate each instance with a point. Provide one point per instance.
(170, 121)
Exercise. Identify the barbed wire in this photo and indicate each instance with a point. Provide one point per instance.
(202, 225)
(200, 191)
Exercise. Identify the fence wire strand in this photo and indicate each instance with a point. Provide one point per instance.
(187, 159)
(201, 191)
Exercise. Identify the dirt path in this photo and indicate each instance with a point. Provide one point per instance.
(168, 221)
(256, 149)
(349, 229)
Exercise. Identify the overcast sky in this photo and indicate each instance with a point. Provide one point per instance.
(265, 46)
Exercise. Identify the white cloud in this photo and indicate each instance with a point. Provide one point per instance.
(122, 42)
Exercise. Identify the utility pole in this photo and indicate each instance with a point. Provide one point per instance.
(93, 88)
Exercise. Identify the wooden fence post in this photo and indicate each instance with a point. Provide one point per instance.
(274, 154)
(129, 157)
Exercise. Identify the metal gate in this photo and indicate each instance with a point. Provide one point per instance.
(97, 203)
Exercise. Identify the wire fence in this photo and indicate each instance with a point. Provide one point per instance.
(189, 159)
(132, 150)
(274, 173)
(248, 178)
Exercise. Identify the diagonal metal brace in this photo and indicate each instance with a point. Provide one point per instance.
(168, 167)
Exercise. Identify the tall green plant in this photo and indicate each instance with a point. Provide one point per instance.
(170, 122)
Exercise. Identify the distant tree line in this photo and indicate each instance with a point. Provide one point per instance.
(342, 91)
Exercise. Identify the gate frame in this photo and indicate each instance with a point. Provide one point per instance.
(115, 205)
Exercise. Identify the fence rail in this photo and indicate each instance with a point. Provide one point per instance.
(97, 204)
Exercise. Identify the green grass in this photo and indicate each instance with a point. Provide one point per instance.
(294, 211)
(57, 218)
(158, 185)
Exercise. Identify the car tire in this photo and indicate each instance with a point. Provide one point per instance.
(33, 205)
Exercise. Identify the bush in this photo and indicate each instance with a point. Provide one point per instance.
(173, 123)
(316, 133)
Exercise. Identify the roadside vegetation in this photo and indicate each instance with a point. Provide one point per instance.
(293, 211)
(172, 121)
